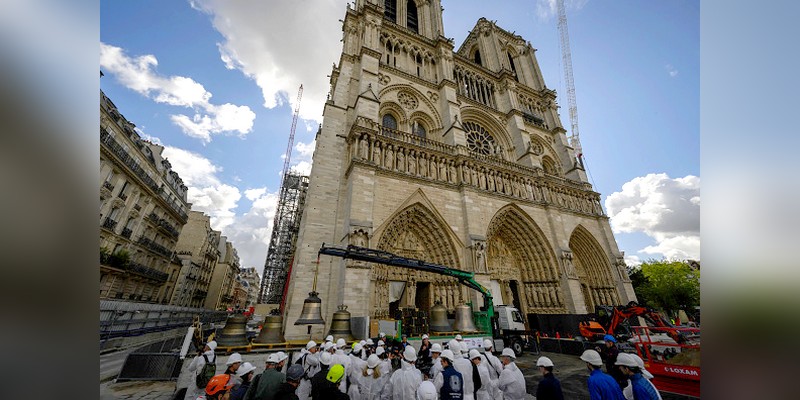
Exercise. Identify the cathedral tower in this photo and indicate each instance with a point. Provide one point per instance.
(457, 157)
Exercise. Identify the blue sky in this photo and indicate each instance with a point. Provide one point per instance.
(214, 82)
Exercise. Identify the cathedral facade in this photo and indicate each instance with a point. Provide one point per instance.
(453, 156)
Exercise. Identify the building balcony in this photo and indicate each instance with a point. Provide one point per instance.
(137, 207)
(108, 185)
(123, 196)
(109, 224)
(147, 272)
(155, 247)
(199, 294)
(126, 233)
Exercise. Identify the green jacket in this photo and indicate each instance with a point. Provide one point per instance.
(265, 385)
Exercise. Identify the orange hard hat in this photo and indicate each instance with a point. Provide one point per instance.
(218, 384)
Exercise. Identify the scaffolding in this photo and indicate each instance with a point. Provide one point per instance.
(284, 236)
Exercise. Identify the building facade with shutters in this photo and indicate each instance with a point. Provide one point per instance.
(221, 294)
(143, 208)
(198, 250)
(453, 156)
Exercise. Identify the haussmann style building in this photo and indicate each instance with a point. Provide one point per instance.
(453, 156)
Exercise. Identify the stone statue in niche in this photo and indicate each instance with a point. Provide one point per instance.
(412, 163)
(401, 160)
(479, 249)
(364, 148)
(389, 157)
(359, 238)
(434, 167)
(569, 268)
(423, 165)
(442, 170)
(376, 153)
(498, 182)
(453, 174)
(482, 179)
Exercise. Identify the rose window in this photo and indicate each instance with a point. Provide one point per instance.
(478, 139)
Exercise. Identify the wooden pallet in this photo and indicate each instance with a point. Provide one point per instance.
(232, 349)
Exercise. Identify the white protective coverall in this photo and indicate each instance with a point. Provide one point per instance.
(356, 368)
(464, 366)
(369, 387)
(436, 368)
(340, 358)
(512, 383)
(487, 385)
(196, 366)
(495, 367)
(403, 383)
(311, 366)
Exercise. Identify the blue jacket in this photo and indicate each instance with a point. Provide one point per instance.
(642, 390)
(549, 388)
(238, 394)
(453, 387)
(603, 387)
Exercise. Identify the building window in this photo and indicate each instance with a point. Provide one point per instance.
(513, 67)
(418, 129)
(477, 57)
(389, 121)
(411, 15)
(390, 10)
(479, 139)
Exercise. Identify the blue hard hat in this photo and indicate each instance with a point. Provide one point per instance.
(609, 338)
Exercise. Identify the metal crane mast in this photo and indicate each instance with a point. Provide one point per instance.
(566, 58)
(286, 224)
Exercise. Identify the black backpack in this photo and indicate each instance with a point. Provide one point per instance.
(208, 372)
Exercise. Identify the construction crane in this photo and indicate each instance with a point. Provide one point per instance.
(281, 244)
(566, 59)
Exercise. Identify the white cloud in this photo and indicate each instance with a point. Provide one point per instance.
(250, 231)
(632, 261)
(666, 209)
(546, 9)
(139, 75)
(671, 70)
(270, 56)
(306, 150)
(302, 168)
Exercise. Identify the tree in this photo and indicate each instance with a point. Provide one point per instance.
(667, 285)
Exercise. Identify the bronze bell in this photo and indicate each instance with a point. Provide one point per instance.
(439, 322)
(312, 311)
(234, 333)
(464, 322)
(271, 329)
(340, 327)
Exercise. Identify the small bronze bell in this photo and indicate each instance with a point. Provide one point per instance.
(234, 333)
(312, 311)
(340, 327)
(271, 329)
(439, 322)
(464, 322)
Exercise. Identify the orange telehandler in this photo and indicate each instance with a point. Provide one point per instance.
(611, 319)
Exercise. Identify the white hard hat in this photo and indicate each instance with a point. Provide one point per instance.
(458, 337)
(592, 357)
(327, 346)
(244, 369)
(329, 338)
(464, 349)
(436, 348)
(272, 358)
(454, 346)
(487, 344)
(509, 353)
(325, 358)
(370, 342)
(311, 344)
(544, 362)
(358, 347)
(382, 334)
(625, 360)
(373, 361)
(448, 354)
(362, 343)
(381, 343)
(474, 354)
(640, 364)
(424, 335)
(234, 358)
(280, 356)
(427, 391)
(380, 351)
(341, 343)
(212, 345)
(410, 354)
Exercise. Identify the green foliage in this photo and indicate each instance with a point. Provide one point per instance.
(120, 259)
(666, 285)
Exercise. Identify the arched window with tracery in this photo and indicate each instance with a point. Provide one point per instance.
(411, 16)
(389, 121)
(418, 129)
(513, 67)
(477, 57)
(479, 139)
(390, 10)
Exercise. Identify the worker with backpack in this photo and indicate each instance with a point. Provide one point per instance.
(203, 367)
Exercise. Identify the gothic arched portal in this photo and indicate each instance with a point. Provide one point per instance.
(523, 263)
(594, 270)
(415, 232)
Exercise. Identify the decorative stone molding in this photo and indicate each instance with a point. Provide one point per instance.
(407, 100)
(479, 256)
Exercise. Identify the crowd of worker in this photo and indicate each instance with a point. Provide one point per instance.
(377, 369)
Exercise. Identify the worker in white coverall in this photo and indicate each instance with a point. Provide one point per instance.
(404, 382)
(463, 366)
(356, 367)
(436, 368)
(196, 367)
(371, 380)
(309, 360)
(493, 365)
(340, 358)
(487, 385)
(511, 383)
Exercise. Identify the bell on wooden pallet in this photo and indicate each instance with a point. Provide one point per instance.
(312, 310)
(340, 326)
(271, 329)
(439, 322)
(234, 333)
(464, 322)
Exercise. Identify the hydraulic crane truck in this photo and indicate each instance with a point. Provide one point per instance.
(503, 322)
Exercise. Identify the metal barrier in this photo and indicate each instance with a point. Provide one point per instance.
(124, 318)
(564, 346)
(151, 367)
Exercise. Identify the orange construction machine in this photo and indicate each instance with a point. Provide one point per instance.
(611, 319)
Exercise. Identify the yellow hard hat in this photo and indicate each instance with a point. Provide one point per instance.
(335, 374)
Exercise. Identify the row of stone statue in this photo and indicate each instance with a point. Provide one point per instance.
(412, 162)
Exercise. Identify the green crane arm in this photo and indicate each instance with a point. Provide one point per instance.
(466, 278)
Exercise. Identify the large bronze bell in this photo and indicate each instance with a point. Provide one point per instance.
(439, 322)
(464, 322)
(312, 311)
(271, 329)
(234, 333)
(340, 326)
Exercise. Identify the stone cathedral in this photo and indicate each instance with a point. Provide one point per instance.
(453, 156)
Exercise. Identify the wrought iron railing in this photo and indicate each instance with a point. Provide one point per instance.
(109, 224)
(126, 232)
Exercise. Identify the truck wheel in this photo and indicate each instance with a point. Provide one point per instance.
(517, 347)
